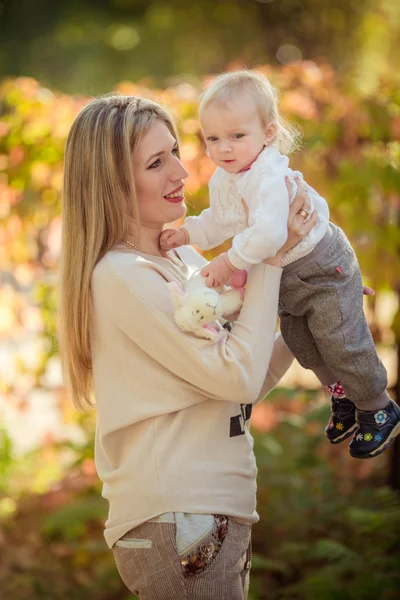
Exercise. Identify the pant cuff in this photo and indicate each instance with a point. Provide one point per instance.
(376, 404)
(325, 375)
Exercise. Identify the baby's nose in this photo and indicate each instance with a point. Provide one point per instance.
(225, 146)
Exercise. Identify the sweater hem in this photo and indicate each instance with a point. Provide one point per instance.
(113, 534)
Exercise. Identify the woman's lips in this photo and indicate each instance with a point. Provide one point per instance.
(175, 200)
(178, 195)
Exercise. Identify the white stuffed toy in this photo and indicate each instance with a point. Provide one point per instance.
(197, 306)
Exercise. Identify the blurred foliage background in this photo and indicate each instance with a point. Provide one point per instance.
(330, 525)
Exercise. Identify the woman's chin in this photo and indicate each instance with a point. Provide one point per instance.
(178, 209)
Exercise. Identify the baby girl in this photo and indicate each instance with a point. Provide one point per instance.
(320, 306)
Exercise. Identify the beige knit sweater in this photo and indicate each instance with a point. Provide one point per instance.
(173, 425)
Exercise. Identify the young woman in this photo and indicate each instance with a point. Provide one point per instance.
(173, 447)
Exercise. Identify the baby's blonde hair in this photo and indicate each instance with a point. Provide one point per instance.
(225, 86)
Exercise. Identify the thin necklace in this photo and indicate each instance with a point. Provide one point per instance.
(133, 245)
(172, 257)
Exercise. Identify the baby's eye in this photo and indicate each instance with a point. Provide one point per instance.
(212, 138)
(237, 136)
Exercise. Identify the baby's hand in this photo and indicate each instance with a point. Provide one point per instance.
(172, 238)
(218, 271)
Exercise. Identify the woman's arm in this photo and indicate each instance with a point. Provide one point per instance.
(136, 299)
(280, 362)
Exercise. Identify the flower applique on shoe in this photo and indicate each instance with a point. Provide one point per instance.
(342, 423)
(376, 431)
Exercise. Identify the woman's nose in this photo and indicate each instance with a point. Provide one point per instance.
(179, 171)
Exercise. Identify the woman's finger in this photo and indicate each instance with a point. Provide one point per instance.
(289, 185)
(300, 198)
(307, 225)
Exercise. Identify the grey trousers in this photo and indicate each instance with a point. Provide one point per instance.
(323, 321)
(152, 569)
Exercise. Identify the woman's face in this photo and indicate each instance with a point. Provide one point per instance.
(159, 176)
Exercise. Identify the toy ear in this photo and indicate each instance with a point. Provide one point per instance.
(177, 293)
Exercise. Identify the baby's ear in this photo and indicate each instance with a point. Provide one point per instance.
(271, 131)
(177, 293)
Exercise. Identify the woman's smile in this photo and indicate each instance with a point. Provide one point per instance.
(176, 196)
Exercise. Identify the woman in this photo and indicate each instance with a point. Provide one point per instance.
(173, 447)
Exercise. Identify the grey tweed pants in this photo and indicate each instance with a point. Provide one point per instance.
(154, 571)
(323, 321)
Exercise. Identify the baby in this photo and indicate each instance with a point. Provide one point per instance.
(320, 304)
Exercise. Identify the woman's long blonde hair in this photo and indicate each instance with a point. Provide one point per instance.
(99, 200)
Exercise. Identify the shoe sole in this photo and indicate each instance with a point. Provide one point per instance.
(382, 448)
(344, 435)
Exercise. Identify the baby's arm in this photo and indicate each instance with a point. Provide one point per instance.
(218, 271)
(205, 232)
(268, 204)
(202, 231)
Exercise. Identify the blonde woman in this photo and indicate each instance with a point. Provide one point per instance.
(173, 447)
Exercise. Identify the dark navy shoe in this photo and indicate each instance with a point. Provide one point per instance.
(376, 431)
(342, 423)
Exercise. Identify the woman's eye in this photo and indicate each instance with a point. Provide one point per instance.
(237, 136)
(155, 164)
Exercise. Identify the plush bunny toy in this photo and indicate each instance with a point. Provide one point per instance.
(197, 306)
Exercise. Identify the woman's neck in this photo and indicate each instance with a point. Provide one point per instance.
(146, 239)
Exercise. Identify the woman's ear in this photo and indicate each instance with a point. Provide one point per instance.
(271, 131)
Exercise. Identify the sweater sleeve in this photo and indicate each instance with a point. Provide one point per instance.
(281, 360)
(267, 198)
(204, 230)
(232, 368)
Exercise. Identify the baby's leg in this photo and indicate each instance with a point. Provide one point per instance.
(338, 325)
(298, 337)
(336, 320)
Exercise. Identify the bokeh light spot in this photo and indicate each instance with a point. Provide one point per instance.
(288, 53)
(122, 37)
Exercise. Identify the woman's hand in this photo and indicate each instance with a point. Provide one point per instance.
(299, 225)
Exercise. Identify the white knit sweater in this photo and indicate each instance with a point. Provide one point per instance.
(263, 189)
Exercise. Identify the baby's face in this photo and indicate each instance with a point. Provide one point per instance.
(233, 132)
